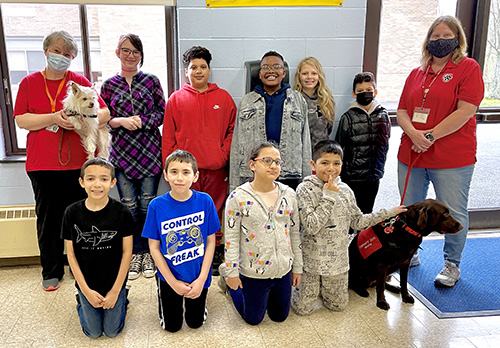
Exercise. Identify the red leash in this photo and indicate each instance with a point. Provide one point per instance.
(410, 167)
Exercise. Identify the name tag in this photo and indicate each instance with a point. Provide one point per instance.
(420, 115)
(52, 128)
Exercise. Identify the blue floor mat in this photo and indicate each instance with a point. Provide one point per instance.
(477, 293)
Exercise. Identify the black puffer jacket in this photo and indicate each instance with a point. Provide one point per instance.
(365, 140)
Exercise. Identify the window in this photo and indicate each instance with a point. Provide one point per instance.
(492, 60)
(102, 27)
(400, 45)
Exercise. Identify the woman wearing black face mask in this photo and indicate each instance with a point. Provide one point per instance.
(437, 113)
(363, 133)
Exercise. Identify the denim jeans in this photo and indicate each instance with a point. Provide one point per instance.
(98, 321)
(136, 194)
(452, 188)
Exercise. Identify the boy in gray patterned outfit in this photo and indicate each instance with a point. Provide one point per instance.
(327, 209)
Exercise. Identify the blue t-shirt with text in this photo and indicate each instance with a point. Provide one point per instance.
(182, 229)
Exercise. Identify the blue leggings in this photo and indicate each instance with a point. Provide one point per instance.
(259, 295)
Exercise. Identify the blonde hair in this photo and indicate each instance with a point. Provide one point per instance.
(456, 27)
(326, 102)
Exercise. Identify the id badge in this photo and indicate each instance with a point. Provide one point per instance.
(420, 115)
(52, 128)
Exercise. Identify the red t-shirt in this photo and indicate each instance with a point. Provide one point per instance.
(463, 81)
(42, 147)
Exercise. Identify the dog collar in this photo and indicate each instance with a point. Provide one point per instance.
(74, 113)
(389, 227)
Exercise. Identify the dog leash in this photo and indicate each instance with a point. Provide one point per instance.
(410, 167)
(60, 148)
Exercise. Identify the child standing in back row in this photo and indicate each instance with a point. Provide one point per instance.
(363, 134)
(327, 209)
(98, 233)
(262, 257)
(181, 228)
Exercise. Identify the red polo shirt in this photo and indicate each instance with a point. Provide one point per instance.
(463, 81)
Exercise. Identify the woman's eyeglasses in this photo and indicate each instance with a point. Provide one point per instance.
(127, 52)
(268, 161)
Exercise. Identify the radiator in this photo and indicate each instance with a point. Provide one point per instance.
(18, 231)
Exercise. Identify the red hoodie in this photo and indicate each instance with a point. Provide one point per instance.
(201, 123)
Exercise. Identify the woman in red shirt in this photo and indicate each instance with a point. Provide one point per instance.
(437, 113)
(54, 151)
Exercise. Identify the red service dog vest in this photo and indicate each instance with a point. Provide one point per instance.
(368, 242)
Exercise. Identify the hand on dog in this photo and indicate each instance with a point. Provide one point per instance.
(400, 209)
(61, 119)
(234, 283)
(331, 185)
(131, 123)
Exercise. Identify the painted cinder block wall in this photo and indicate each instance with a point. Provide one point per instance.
(334, 35)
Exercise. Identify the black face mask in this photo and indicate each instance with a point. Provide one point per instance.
(442, 47)
(364, 98)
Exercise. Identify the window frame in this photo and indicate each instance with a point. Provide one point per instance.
(474, 15)
(12, 150)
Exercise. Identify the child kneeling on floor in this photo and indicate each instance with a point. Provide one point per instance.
(262, 257)
(98, 233)
(327, 209)
(181, 226)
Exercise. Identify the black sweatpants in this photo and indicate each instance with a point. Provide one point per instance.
(171, 308)
(54, 190)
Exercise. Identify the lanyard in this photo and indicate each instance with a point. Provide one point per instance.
(426, 90)
(59, 89)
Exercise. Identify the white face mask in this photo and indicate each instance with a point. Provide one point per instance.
(57, 62)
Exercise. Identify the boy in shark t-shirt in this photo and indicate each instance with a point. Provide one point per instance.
(98, 232)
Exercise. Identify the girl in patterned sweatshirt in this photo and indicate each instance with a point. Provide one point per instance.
(262, 256)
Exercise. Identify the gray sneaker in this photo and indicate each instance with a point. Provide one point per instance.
(449, 275)
(415, 260)
(51, 284)
(148, 266)
(222, 281)
(135, 267)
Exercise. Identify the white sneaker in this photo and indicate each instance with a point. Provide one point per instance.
(135, 267)
(449, 275)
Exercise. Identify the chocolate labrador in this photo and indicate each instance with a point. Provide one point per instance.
(390, 245)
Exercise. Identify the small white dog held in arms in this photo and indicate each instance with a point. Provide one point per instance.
(81, 106)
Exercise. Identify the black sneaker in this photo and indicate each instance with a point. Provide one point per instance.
(218, 259)
(135, 267)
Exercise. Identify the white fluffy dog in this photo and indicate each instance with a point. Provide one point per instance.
(81, 105)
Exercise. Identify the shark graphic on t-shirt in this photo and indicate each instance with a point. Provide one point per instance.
(95, 236)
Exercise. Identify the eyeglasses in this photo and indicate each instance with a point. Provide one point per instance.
(127, 52)
(268, 161)
(274, 67)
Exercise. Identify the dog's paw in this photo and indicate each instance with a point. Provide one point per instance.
(383, 305)
(408, 299)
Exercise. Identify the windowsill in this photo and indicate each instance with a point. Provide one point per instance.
(13, 159)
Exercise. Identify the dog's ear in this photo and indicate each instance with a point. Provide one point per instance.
(74, 87)
(94, 86)
(422, 217)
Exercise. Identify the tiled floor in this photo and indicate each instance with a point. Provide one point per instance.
(30, 317)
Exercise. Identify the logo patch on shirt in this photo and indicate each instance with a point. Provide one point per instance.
(216, 107)
(447, 77)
